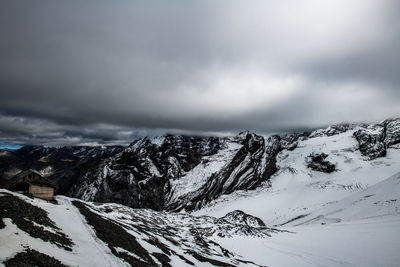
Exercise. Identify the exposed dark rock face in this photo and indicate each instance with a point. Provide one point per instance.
(375, 139)
(317, 162)
(371, 142)
(241, 218)
(392, 136)
(138, 176)
(252, 164)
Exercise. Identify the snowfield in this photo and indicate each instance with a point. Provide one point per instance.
(359, 230)
(359, 243)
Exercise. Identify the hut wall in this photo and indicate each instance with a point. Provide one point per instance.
(43, 192)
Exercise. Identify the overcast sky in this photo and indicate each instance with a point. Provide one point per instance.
(88, 72)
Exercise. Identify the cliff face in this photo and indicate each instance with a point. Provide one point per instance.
(180, 172)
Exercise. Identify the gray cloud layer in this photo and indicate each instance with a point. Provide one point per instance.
(96, 71)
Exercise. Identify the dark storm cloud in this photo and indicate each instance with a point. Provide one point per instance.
(21, 130)
(74, 72)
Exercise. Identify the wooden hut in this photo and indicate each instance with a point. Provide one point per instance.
(32, 182)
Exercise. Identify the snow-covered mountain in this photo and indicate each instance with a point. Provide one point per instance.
(348, 217)
(326, 198)
(186, 173)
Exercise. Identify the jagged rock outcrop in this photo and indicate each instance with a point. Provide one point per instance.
(375, 139)
(239, 217)
(318, 162)
(371, 142)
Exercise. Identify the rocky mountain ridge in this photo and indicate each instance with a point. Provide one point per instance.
(175, 172)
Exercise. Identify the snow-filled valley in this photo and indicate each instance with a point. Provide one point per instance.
(349, 216)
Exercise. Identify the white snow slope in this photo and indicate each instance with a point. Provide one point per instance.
(89, 250)
(346, 218)
(184, 240)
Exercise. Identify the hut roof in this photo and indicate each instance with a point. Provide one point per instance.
(43, 180)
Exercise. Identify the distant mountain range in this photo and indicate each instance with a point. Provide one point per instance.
(175, 172)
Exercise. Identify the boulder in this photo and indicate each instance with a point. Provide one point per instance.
(371, 141)
(239, 217)
(317, 162)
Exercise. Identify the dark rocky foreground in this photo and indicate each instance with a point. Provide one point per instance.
(151, 172)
